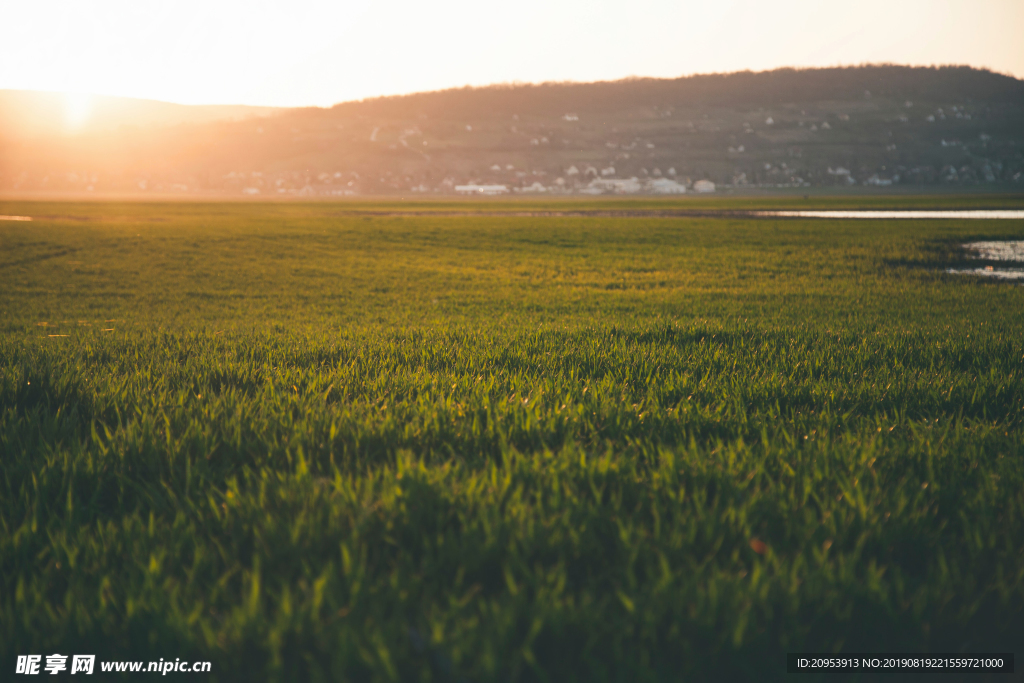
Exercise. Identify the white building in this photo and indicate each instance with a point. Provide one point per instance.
(536, 187)
(665, 186)
(613, 186)
(703, 186)
(474, 189)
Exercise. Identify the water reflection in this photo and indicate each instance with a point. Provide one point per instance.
(998, 274)
(997, 251)
(1011, 251)
(975, 214)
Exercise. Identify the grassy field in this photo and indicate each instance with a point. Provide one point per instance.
(306, 443)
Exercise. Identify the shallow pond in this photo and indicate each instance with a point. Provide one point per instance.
(975, 214)
(1005, 252)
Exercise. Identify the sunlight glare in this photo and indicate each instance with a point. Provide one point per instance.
(321, 52)
(77, 107)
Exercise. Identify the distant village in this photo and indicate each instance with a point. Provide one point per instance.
(867, 141)
(573, 181)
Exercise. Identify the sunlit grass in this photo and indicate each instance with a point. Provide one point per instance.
(310, 445)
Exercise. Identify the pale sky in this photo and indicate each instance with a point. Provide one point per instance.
(314, 52)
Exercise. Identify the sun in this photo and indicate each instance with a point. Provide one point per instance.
(77, 107)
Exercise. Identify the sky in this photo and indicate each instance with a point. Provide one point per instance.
(314, 52)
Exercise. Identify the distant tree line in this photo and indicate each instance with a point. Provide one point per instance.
(744, 88)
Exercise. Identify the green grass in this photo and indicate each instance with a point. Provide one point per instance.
(307, 444)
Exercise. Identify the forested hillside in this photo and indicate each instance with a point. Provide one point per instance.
(870, 125)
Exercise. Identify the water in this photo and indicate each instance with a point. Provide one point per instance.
(998, 274)
(1006, 252)
(997, 251)
(974, 214)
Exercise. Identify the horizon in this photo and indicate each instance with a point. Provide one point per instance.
(316, 54)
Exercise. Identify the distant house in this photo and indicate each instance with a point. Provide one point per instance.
(572, 170)
(474, 189)
(769, 121)
(614, 186)
(610, 171)
(665, 186)
(703, 186)
(570, 117)
(843, 173)
(536, 187)
(825, 126)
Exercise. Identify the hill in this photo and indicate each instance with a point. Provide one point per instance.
(27, 114)
(875, 125)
